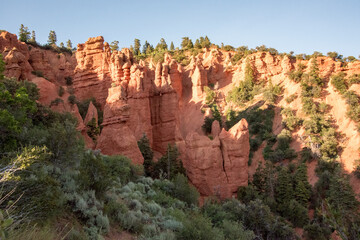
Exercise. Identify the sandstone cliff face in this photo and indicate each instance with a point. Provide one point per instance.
(92, 76)
(218, 167)
(164, 101)
(22, 59)
(16, 56)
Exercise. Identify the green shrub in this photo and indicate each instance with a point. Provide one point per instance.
(308, 105)
(236, 230)
(228, 48)
(147, 153)
(210, 95)
(244, 92)
(306, 155)
(291, 122)
(215, 116)
(184, 191)
(314, 77)
(353, 110)
(72, 99)
(296, 75)
(241, 52)
(329, 146)
(357, 168)
(317, 231)
(38, 73)
(61, 91)
(169, 165)
(68, 80)
(282, 151)
(297, 214)
(271, 92)
(56, 102)
(339, 82)
(84, 106)
(259, 218)
(93, 130)
(354, 79)
(199, 228)
(291, 98)
(247, 194)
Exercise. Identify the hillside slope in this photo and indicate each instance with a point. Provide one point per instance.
(167, 102)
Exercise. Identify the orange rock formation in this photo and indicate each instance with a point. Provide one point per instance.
(164, 101)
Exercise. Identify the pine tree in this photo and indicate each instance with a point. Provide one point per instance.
(172, 48)
(314, 77)
(62, 45)
(206, 42)
(302, 186)
(137, 46)
(340, 194)
(162, 45)
(259, 178)
(284, 190)
(147, 153)
(69, 44)
(202, 41)
(270, 180)
(24, 34)
(249, 74)
(190, 45)
(145, 47)
(33, 37)
(114, 45)
(186, 43)
(169, 165)
(197, 44)
(2, 67)
(149, 49)
(52, 38)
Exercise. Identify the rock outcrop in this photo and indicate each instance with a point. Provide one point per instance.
(91, 114)
(16, 56)
(218, 167)
(164, 100)
(116, 137)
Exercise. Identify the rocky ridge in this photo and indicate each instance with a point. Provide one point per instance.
(165, 102)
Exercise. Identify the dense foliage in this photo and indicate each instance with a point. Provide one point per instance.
(208, 121)
(260, 122)
(342, 84)
(47, 175)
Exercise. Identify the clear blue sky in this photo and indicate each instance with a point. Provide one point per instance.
(287, 25)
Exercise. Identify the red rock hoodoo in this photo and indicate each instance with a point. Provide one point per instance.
(166, 100)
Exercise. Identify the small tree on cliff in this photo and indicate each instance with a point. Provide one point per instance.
(145, 47)
(197, 44)
(147, 153)
(206, 43)
(172, 47)
(2, 67)
(162, 45)
(52, 38)
(302, 185)
(284, 190)
(114, 45)
(169, 165)
(33, 37)
(186, 43)
(69, 44)
(137, 46)
(24, 34)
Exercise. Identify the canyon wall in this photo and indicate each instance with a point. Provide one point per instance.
(166, 101)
